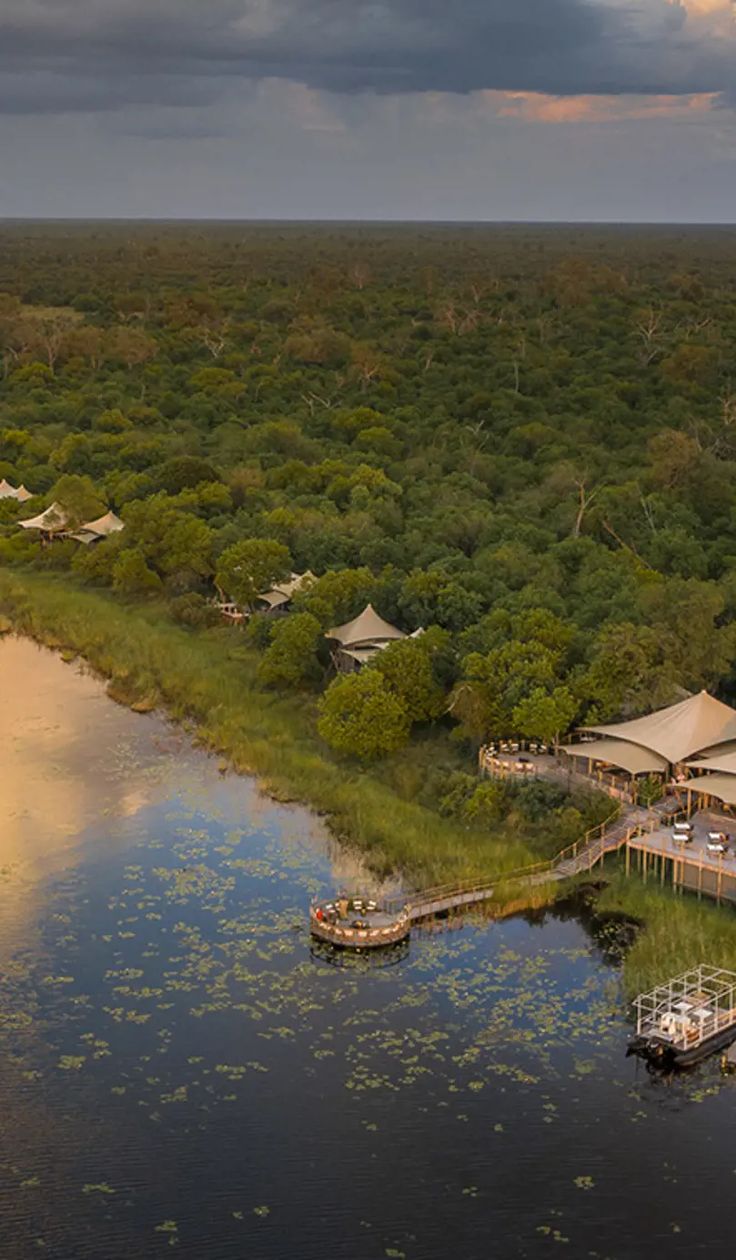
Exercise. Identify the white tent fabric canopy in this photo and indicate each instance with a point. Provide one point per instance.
(724, 762)
(102, 527)
(368, 627)
(679, 731)
(8, 491)
(618, 752)
(53, 519)
(722, 786)
(365, 653)
(282, 592)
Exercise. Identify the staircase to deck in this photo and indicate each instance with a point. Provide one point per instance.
(584, 855)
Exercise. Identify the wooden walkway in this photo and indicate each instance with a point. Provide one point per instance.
(631, 826)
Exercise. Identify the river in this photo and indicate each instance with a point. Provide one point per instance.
(179, 1072)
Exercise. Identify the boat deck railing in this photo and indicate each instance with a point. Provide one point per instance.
(689, 1009)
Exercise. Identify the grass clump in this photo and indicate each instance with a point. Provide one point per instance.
(677, 931)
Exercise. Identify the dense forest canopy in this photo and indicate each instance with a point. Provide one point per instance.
(520, 438)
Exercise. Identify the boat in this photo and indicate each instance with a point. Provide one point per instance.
(687, 1019)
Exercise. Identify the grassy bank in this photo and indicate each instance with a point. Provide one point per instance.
(208, 678)
(677, 932)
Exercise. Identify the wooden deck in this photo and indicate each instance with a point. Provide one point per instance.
(658, 857)
(645, 837)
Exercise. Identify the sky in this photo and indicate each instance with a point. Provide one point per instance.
(571, 110)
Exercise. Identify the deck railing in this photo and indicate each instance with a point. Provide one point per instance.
(593, 846)
(583, 855)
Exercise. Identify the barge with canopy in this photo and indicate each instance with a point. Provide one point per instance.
(690, 1017)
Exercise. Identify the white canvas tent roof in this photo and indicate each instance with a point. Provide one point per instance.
(722, 786)
(679, 731)
(102, 527)
(8, 491)
(368, 627)
(54, 518)
(723, 760)
(365, 653)
(618, 752)
(283, 591)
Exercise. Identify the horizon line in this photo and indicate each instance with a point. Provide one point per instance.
(367, 222)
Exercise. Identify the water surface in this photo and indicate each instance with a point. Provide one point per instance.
(178, 1071)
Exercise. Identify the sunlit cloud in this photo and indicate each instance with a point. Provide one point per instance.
(540, 108)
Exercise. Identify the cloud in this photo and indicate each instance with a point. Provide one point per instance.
(101, 55)
(536, 107)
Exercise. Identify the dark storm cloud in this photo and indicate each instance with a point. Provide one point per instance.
(101, 54)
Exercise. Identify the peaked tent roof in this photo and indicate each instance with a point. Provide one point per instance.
(53, 518)
(8, 491)
(104, 525)
(618, 752)
(680, 730)
(368, 627)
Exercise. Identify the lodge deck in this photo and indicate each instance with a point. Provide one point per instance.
(647, 837)
(688, 865)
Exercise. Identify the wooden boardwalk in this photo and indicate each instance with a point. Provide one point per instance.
(633, 827)
(575, 860)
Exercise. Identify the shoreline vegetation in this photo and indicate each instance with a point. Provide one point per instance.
(206, 680)
(197, 681)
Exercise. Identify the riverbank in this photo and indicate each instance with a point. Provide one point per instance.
(207, 680)
(676, 931)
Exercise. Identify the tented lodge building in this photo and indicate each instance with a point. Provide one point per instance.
(357, 641)
(692, 744)
(19, 493)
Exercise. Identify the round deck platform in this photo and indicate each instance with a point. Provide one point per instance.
(358, 923)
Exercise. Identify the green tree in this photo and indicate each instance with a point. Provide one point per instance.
(291, 657)
(248, 568)
(361, 715)
(487, 805)
(407, 668)
(132, 576)
(338, 596)
(544, 715)
(79, 498)
(174, 544)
